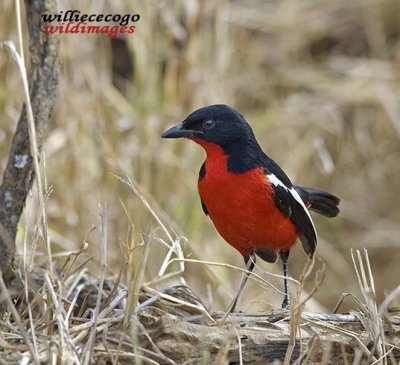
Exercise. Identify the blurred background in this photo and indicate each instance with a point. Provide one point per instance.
(319, 82)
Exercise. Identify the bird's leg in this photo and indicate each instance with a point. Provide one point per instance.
(286, 301)
(250, 262)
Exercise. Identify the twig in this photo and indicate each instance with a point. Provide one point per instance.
(17, 319)
(175, 245)
(103, 261)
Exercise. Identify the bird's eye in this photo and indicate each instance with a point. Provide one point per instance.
(209, 124)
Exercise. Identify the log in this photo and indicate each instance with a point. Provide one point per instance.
(171, 331)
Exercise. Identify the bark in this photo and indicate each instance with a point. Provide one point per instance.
(176, 333)
(19, 173)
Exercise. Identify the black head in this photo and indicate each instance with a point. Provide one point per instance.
(218, 124)
(222, 125)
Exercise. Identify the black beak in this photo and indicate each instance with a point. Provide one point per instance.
(177, 132)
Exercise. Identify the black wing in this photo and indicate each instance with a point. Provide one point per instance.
(204, 207)
(202, 173)
(289, 202)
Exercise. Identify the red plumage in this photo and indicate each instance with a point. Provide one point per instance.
(241, 206)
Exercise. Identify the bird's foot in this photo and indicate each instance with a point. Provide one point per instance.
(285, 304)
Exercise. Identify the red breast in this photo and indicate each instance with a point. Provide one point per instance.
(241, 205)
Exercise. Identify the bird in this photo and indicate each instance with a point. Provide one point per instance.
(250, 200)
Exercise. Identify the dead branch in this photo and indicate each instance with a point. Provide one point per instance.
(165, 329)
(19, 172)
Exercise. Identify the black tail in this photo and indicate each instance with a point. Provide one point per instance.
(319, 201)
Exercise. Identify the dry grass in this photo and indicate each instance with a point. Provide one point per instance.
(320, 77)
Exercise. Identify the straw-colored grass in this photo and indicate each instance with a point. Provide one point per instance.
(319, 83)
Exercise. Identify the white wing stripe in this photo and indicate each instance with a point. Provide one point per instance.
(275, 181)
